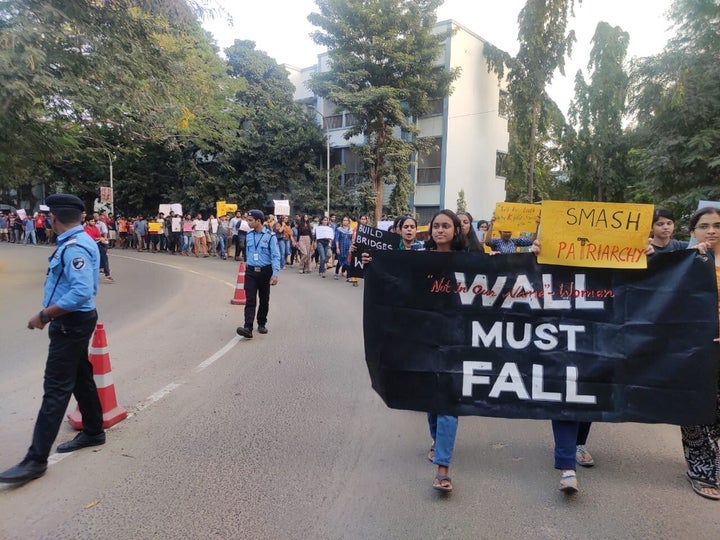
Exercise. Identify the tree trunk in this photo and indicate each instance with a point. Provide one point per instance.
(378, 179)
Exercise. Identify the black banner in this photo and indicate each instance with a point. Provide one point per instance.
(462, 334)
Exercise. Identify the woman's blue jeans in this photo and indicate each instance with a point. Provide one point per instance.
(567, 436)
(323, 256)
(443, 430)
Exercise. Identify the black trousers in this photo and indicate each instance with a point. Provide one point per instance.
(257, 285)
(67, 372)
(104, 262)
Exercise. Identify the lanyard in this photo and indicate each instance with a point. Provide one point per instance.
(258, 241)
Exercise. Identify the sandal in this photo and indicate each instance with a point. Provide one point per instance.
(442, 482)
(431, 453)
(583, 457)
(698, 486)
(568, 482)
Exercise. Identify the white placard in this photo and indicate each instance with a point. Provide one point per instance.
(166, 208)
(324, 232)
(282, 208)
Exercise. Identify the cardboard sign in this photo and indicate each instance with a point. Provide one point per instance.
(503, 336)
(703, 204)
(518, 218)
(282, 208)
(106, 195)
(595, 235)
(165, 209)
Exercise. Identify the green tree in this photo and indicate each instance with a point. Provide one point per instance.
(597, 159)
(79, 78)
(383, 58)
(278, 141)
(461, 202)
(677, 101)
(543, 46)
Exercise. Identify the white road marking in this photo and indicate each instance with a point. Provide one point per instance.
(163, 392)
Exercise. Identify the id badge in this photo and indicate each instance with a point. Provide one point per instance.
(256, 257)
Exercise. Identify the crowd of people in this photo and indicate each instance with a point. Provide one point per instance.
(24, 229)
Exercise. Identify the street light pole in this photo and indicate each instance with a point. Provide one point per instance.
(112, 191)
(327, 153)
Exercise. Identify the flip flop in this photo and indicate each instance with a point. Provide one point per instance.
(699, 485)
(442, 482)
(431, 454)
(568, 482)
(583, 457)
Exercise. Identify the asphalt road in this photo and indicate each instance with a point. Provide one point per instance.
(282, 437)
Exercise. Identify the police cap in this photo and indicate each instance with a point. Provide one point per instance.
(256, 214)
(63, 200)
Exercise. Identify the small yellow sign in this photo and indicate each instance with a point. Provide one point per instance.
(224, 208)
(154, 227)
(596, 235)
(517, 218)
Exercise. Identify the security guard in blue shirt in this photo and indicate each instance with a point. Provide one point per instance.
(263, 266)
(68, 305)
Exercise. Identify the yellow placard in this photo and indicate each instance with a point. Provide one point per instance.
(154, 227)
(224, 208)
(518, 218)
(597, 235)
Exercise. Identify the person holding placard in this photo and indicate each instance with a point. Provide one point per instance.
(324, 234)
(506, 244)
(570, 436)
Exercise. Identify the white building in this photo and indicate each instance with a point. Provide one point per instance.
(469, 127)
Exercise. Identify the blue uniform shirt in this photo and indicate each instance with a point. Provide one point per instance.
(72, 279)
(262, 250)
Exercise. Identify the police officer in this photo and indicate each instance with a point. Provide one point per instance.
(68, 307)
(263, 266)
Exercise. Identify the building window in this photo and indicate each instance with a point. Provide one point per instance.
(429, 164)
(501, 164)
(352, 168)
(425, 213)
(504, 104)
(436, 107)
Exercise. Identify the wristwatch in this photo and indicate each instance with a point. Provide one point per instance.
(44, 318)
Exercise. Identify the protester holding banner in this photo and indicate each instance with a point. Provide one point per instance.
(662, 230)
(473, 243)
(445, 235)
(700, 442)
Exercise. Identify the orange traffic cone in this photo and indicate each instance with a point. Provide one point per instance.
(102, 373)
(239, 298)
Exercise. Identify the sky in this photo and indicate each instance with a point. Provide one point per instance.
(281, 29)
